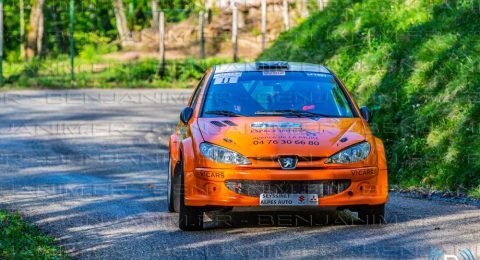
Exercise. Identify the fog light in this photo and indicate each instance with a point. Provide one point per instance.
(234, 186)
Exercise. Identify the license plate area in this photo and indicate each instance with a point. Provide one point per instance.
(280, 199)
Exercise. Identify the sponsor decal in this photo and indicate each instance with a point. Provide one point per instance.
(275, 125)
(310, 133)
(301, 198)
(274, 73)
(283, 133)
(363, 172)
(275, 199)
(277, 131)
(318, 75)
(210, 174)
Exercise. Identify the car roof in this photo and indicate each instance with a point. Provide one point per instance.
(270, 65)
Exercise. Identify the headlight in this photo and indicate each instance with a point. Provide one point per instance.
(222, 155)
(352, 154)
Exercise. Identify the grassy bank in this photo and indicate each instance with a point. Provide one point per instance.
(105, 73)
(417, 64)
(21, 240)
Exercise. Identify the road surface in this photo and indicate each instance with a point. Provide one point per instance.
(89, 167)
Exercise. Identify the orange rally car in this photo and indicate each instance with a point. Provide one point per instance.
(274, 135)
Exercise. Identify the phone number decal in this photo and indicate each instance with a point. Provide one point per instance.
(286, 142)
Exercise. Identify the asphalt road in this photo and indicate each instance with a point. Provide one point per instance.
(89, 167)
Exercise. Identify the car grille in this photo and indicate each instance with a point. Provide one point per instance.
(255, 188)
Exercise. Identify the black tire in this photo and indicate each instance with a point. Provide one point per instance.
(189, 218)
(170, 185)
(372, 214)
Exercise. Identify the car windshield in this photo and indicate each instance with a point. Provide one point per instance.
(275, 93)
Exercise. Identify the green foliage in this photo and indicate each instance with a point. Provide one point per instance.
(94, 23)
(21, 240)
(417, 63)
(177, 10)
(93, 46)
(98, 73)
(475, 192)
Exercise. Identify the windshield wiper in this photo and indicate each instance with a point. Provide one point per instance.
(223, 113)
(290, 112)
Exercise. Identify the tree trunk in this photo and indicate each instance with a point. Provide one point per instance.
(161, 41)
(22, 30)
(155, 13)
(202, 34)
(33, 33)
(122, 25)
(209, 6)
(235, 31)
(264, 24)
(40, 33)
(286, 17)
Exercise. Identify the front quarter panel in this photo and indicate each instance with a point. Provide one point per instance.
(188, 155)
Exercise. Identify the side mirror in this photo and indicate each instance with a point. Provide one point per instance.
(186, 115)
(366, 114)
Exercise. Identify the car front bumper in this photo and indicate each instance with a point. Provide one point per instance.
(206, 187)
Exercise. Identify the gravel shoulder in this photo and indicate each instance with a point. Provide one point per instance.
(89, 167)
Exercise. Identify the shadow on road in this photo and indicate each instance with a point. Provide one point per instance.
(98, 184)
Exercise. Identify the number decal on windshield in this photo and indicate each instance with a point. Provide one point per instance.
(226, 78)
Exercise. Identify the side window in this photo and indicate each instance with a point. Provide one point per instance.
(194, 99)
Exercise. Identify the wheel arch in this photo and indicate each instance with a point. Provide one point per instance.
(174, 153)
(182, 153)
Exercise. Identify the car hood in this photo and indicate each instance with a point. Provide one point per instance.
(274, 136)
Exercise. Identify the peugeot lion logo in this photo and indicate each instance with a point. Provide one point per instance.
(288, 163)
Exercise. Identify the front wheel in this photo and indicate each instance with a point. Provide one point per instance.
(190, 218)
(372, 214)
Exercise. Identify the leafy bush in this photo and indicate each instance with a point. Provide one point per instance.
(417, 63)
(93, 46)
